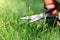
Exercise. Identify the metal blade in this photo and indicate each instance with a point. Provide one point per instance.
(37, 17)
(34, 18)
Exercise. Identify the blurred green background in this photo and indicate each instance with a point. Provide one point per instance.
(13, 28)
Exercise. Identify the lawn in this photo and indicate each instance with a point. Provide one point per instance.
(14, 28)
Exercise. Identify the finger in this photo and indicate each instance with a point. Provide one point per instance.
(58, 23)
(53, 12)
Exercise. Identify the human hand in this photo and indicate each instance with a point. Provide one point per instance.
(57, 5)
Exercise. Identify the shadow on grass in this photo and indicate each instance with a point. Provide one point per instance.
(51, 22)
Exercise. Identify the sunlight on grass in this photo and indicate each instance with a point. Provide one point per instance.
(2, 3)
(13, 28)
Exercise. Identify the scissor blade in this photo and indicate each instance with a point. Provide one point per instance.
(37, 17)
(34, 18)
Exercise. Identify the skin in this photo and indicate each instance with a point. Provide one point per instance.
(58, 23)
(53, 4)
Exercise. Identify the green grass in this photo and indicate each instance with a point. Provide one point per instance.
(13, 28)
